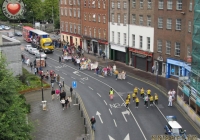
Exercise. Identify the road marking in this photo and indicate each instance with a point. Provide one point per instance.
(99, 94)
(90, 88)
(115, 123)
(101, 76)
(130, 84)
(57, 69)
(105, 102)
(76, 72)
(72, 77)
(85, 78)
(64, 73)
(81, 82)
(110, 111)
(99, 114)
(49, 66)
(62, 78)
(125, 112)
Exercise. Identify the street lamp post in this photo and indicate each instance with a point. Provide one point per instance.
(157, 73)
(41, 80)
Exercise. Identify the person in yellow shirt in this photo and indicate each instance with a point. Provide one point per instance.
(133, 96)
(136, 90)
(129, 97)
(156, 99)
(149, 92)
(137, 102)
(127, 102)
(142, 93)
(151, 100)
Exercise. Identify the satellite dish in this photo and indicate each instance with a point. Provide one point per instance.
(94, 16)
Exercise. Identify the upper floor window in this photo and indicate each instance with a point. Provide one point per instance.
(118, 4)
(133, 3)
(99, 33)
(89, 17)
(104, 19)
(66, 11)
(141, 20)
(93, 4)
(168, 47)
(113, 4)
(141, 41)
(70, 2)
(90, 32)
(169, 23)
(141, 3)
(85, 16)
(66, 27)
(133, 40)
(148, 20)
(74, 1)
(160, 22)
(65, 2)
(74, 28)
(189, 26)
(159, 45)
(177, 49)
(149, 4)
(74, 12)
(99, 4)
(178, 24)
(179, 5)
(113, 36)
(94, 32)
(85, 3)
(124, 38)
(133, 19)
(169, 4)
(99, 18)
(78, 13)
(190, 7)
(78, 2)
(125, 19)
(160, 4)
(94, 17)
(85, 30)
(71, 28)
(70, 12)
(118, 18)
(148, 43)
(113, 18)
(104, 34)
(79, 29)
(104, 5)
(61, 11)
(125, 5)
(118, 37)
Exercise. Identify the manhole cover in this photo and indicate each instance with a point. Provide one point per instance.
(160, 106)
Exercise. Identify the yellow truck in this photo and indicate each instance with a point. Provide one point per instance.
(46, 45)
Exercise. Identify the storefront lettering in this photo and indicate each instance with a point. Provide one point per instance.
(140, 52)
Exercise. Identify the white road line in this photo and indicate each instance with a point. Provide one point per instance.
(90, 88)
(62, 78)
(72, 77)
(99, 94)
(115, 123)
(110, 111)
(64, 73)
(57, 69)
(81, 82)
(130, 84)
(105, 102)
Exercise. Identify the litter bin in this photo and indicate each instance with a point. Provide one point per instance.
(44, 105)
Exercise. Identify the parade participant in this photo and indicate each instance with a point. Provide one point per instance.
(156, 99)
(93, 121)
(137, 102)
(169, 92)
(129, 97)
(111, 92)
(127, 102)
(142, 93)
(170, 100)
(149, 92)
(136, 90)
(133, 95)
(173, 94)
(151, 100)
(146, 99)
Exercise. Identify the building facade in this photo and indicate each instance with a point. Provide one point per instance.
(141, 34)
(94, 21)
(70, 22)
(173, 37)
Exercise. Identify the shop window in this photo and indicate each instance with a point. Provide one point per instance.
(76, 41)
(174, 70)
(164, 68)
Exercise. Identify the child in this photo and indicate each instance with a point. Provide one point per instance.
(57, 92)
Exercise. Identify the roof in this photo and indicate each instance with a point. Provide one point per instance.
(39, 32)
(28, 28)
(174, 124)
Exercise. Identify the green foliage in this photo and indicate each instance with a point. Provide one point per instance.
(13, 109)
(57, 23)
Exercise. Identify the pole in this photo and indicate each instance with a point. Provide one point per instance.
(52, 19)
(41, 80)
(157, 74)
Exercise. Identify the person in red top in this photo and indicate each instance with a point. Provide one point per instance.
(93, 121)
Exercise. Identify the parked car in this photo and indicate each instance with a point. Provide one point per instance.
(6, 28)
(18, 33)
(10, 34)
(27, 47)
(40, 54)
(32, 50)
(3, 26)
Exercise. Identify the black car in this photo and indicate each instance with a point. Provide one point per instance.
(18, 33)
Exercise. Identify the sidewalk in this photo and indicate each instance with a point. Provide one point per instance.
(54, 123)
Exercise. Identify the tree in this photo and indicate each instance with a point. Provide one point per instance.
(51, 6)
(13, 122)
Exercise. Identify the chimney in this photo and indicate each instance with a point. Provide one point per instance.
(1, 40)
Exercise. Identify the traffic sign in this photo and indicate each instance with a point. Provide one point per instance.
(74, 84)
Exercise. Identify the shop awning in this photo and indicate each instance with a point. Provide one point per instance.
(140, 55)
(102, 42)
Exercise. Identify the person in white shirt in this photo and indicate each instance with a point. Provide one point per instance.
(173, 93)
(170, 92)
(170, 100)
(62, 101)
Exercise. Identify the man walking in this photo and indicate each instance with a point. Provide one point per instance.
(62, 95)
(60, 86)
(170, 100)
(93, 121)
(71, 90)
(35, 70)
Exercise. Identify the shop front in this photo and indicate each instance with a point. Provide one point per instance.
(71, 39)
(141, 59)
(177, 68)
(103, 48)
(118, 53)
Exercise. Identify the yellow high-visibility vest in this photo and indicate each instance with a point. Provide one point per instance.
(151, 98)
(137, 100)
(127, 101)
(111, 92)
(148, 91)
(156, 97)
(129, 96)
(135, 90)
(142, 91)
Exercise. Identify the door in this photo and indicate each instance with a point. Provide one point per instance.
(150, 64)
(81, 43)
(159, 68)
(71, 40)
(141, 63)
(133, 60)
(120, 56)
(95, 47)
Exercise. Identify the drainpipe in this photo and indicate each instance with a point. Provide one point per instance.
(127, 49)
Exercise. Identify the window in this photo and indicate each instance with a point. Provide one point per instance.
(94, 32)
(99, 33)
(66, 27)
(62, 26)
(118, 37)
(178, 24)
(124, 38)
(75, 29)
(113, 18)
(113, 4)
(99, 18)
(85, 30)
(90, 32)
(179, 5)
(118, 18)
(66, 11)
(94, 17)
(79, 29)
(168, 47)
(148, 43)
(133, 40)
(65, 2)
(169, 4)
(159, 45)
(141, 20)
(78, 2)
(118, 4)
(160, 4)
(133, 4)
(94, 4)
(70, 2)
(71, 28)
(85, 17)
(113, 36)
(61, 11)
(104, 5)
(141, 41)
(149, 4)
(61, 1)
(160, 22)
(133, 18)
(74, 12)
(85, 3)
(89, 17)
(169, 23)
(141, 3)
(74, 2)
(188, 51)
(70, 12)
(189, 26)
(125, 5)
(174, 70)
(104, 19)
(104, 34)
(164, 68)
(99, 4)
(78, 13)
(177, 49)
(148, 20)
(190, 6)
(125, 21)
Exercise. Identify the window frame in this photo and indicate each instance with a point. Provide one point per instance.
(141, 20)
(94, 33)
(118, 5)
(160, 22)
(113, 36)
(168, 47)
(148, 43)
(113, 4)
(159, 46)
(66, 26)
(133, 40)
(99, 4)
(169, 4)
(177, 50)
(118, 37)
(148, 20)
(189, 26)
(113, 18)
(133, 3)
(141, 4)
(178, 24)
(125, 39)
(99, 18)
(133, 19)
(125, 5)
(141, 42)
(160, 5)
(125, 19)
(149, 4)
(169, 24)
(179, 5)
(118, 19)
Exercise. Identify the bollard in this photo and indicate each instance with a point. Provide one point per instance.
(79, 106)
(81, 113)
(85, 130)
(84, 121)
(63, 83)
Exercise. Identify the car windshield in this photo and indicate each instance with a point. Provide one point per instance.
(175, 130)
(47, 44)
(34, 49)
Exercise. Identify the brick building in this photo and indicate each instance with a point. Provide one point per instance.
(173, 37)
(94, 21)
(70, 22)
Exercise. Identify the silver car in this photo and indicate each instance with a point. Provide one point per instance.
(6, 28)
(40, 54)
(32, 50)
(27, 47)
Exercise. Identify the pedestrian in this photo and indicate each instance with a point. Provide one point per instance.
(66, 102)
(93, 121)
(156, 99)
(52, 82)
(79, 65)
(62, 101)
(153, 69)
(70, 100)
(135, 90)
(127, 102)
(170, 100)
(52, 94)
(88, 48)
(35, 70)
(60, 85)
(173, 94)
(137, 102)
(63, 95)
(31, 65)
(151, 100)
(133, 96)
(57, 93)
(142, 93)
(71, 90)
(59, 59)
(111, 92)
(146, 99)
(149, 92)
(129, 97)
(58, 78)
(169, 92)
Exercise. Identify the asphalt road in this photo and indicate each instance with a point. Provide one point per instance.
(140, 123)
